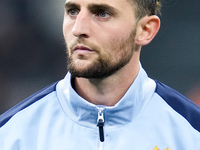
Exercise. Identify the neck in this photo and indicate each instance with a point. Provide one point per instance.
(108, 91)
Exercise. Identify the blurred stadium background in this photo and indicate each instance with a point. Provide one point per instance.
(32, 51)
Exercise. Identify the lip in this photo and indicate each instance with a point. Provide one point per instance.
(81, 48)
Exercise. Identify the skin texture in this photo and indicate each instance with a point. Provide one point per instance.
(103, 40)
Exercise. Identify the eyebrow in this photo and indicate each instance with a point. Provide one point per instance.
(105, 7)
(71, 5)
(93, 7)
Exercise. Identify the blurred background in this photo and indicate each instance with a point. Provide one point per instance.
(32, 51)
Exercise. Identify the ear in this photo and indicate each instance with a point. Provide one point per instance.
(147, 28)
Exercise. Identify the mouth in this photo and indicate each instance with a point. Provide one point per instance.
(81, 48)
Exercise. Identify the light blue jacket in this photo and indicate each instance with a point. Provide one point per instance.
(150, 116)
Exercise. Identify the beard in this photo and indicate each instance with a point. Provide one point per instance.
(105, 64)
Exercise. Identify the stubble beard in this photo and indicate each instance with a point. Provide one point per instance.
(104, 65)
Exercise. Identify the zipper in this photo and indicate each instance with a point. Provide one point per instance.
(100, 124)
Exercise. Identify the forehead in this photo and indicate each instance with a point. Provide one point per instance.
(117, 4)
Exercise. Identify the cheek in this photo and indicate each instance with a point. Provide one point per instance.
(121, 44)
(66, 33)
(116, 34)
(67, 28)
(115, 40)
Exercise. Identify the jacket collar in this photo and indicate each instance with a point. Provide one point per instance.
(127, 109)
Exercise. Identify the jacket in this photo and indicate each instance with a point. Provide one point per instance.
(150, 116)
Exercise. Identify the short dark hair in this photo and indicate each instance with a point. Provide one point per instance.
(147, 7)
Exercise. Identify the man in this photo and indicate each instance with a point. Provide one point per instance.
(106, 101)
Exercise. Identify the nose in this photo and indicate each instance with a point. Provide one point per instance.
(82, 26)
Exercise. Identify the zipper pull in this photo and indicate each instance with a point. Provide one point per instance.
(100, 124)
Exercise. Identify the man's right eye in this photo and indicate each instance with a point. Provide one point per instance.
(72, 12)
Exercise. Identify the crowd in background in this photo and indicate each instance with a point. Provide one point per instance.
(32, 49)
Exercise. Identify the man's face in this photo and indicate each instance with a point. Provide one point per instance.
(99, 35)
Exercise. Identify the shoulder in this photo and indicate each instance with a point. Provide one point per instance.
(180, 104)
(6, 116)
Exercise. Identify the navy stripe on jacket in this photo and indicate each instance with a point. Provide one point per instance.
(182, 105)
(5, 117)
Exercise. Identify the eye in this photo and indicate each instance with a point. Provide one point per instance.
(103, 14)
(73, 12)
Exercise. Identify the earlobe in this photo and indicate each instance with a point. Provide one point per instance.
(147, 29)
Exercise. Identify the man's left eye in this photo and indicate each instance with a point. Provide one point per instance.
(103, 14)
